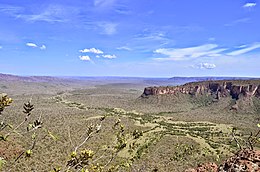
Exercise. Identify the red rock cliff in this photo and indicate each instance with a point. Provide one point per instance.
(235, 89)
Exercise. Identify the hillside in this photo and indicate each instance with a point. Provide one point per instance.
(174, 131)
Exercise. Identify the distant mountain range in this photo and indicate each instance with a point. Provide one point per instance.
(208, 78)
(9, 77)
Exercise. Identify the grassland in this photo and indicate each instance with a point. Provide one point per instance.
(177, 132)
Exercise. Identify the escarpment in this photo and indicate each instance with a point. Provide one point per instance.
(217, 89)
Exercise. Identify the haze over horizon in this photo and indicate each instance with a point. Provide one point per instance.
(130, 38)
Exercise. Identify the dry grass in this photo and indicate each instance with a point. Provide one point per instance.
(170, 125)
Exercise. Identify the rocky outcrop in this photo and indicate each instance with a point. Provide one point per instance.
(218, 89)
(245, 160)
(207, 167)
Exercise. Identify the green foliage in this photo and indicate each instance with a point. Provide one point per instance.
(28, 153)
(2, 162)
(4, 102)
(202, 100)
(7, 130)
(123, 139)
(120, 135)
(248, 142)
(80, 160)
(182, 152)
(256, 102)
(56, 169)
(4, 137)
(137, 134)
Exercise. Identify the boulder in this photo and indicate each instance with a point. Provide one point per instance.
(245, 160)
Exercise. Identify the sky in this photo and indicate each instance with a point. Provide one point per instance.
(139, 38)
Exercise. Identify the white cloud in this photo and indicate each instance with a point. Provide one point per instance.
(109, 56)
(97, 52)
(104, 3)
(11, 10)
(149, 39)
(212, 39)
(91, 50)
(51, 13)
(43, 47)
(249, 5)
(149, 35)
(30, 44)
(204, 66)
(124, 48)
(242, 46)
(206, 50)
(238, 21)
(207, 66)
(33, 45)
(123, 11)
(244, 49)
(1, 47)
(85, 58)
(108, 28)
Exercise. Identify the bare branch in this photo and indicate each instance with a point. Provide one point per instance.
(70, 137)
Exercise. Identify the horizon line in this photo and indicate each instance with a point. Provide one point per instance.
(123, 76)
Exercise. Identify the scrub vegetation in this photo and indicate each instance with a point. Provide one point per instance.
(108, 128)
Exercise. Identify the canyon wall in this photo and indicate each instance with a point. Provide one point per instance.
(235, 89)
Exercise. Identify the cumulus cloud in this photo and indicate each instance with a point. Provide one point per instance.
(29, 44)
(207, 66)
(204, 65)
(249, 5)
(244, 49)
(108, 56)
(208, 50)
(98, 54)
(85, 58)
(33, 45)
(91, 50)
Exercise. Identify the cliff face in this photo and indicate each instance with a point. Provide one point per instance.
(215, 88)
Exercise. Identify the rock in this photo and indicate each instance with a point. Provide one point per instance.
(217, 89)
(212, 167)
(234, 107)
(245, 160)
(257, 92)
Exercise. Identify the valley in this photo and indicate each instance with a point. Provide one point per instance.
(161, 132)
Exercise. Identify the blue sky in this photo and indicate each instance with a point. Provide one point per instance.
(145, 38)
